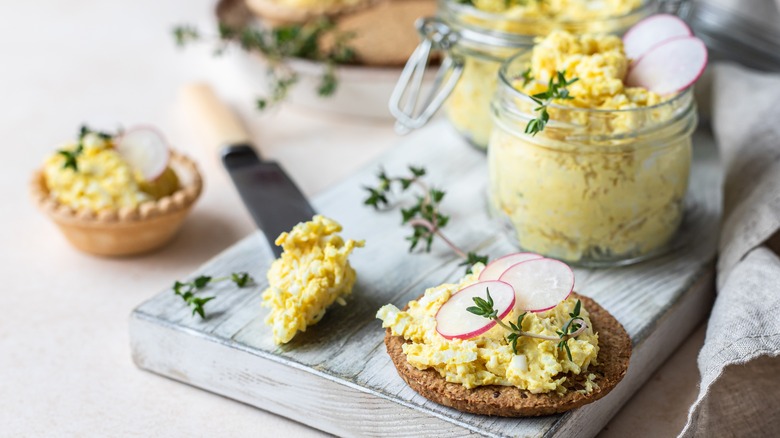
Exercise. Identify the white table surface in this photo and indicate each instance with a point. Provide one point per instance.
(65, 366)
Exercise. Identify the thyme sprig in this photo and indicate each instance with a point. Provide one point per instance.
(556, 90)
(424, 216)
(527, 76)
(573, 327)
(71, 156)
(187, 290)
(277, 45)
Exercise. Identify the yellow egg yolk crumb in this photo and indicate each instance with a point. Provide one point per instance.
(598, 62)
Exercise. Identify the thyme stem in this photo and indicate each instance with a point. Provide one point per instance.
(425, 217)
(419, 222)
(484, 307)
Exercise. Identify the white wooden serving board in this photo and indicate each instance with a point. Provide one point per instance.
(337, 376)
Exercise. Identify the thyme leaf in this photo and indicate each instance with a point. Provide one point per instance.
(187, 290)
(279, 44)
(573, 327)
(424, 216)
(556, 90)
(71, 156)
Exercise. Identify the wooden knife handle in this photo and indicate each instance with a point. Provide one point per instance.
(213, 120)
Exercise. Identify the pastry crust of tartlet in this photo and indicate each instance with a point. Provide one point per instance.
(126, 231)
(509, 401)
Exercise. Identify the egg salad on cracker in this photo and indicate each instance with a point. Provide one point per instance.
(312, 273)
(538, 365)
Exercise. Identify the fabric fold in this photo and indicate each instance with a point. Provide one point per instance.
(740, 362)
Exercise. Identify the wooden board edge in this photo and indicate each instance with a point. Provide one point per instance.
(683, 317)
(301, 394)
(192, 357)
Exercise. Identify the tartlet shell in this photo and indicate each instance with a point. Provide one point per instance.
(504, 401)
(128, 231)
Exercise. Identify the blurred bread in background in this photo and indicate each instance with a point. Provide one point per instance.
(384, 31)
(300, 11)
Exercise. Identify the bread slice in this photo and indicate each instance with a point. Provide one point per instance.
(385, 34)
(383, 31)
(506, 401)
(279, 12)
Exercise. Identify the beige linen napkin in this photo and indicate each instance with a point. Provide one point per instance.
(740, 361)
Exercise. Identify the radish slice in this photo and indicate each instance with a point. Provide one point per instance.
(453, 321)
(653, 31)
(144, 149)
(539, 284)
(670, 67)
(497, 267)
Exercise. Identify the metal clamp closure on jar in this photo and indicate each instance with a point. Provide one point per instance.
(463, 33)
(436, 37)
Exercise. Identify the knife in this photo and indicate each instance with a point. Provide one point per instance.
(272, 198)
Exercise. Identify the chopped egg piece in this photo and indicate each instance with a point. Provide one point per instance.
(312, 273)
(539, 365)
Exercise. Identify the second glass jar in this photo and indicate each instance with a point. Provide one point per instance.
(595, 187)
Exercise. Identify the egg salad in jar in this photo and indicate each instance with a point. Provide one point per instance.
(482, 34)
(604, 182)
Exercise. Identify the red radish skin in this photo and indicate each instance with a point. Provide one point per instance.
(539, 284)
(453, 321)
(652, 31)
(670, 67)
(497, 267)
(145, 149)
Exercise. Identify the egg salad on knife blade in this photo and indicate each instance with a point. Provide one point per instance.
(312, 273)
(510, 339)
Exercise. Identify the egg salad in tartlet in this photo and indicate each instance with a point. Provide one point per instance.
(509, 340)
(118, 194)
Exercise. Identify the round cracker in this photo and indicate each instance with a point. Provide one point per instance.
(509, 401)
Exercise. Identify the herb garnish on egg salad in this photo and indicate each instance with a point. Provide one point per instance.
(92, 174)
(573, 328)
(580, 71)
(534, 362)
(312, 273)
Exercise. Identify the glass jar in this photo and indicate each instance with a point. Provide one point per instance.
(595, 187)
(475, 44)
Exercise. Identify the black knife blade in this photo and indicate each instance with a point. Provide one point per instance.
(274, 201)
(272, 198)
